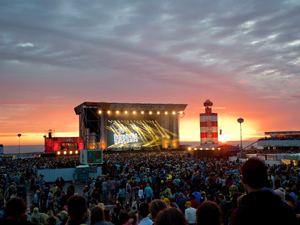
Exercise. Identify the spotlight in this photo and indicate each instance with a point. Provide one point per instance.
(125, 112)
(166, 113)
(133, 112)
(65, 152)
(195, 148)
(181, 113)
(108, 112)
(150, 112)
(158, 112)
(142, 112)
(76, 152)
(173, 112)
(213, 148)
(201, 148)
(71, 152)
(117, 112)
(100, 111)
(58, 153)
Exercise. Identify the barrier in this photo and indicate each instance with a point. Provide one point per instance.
(94, 175)
(50, 175)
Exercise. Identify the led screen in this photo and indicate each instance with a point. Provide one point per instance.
(136, 134)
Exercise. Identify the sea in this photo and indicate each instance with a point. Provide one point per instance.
(14, 149)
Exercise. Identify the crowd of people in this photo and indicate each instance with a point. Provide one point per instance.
(154, 188)
(292, 137)
(272, 150)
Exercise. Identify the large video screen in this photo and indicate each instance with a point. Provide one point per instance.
(136, 135)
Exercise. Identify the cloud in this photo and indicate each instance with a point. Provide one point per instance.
(61, 53)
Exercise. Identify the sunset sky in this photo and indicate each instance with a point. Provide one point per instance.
(242, 55)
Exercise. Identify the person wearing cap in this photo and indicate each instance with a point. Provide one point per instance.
(35, 200)
(167, 201)
(190, 213)
(148, 193)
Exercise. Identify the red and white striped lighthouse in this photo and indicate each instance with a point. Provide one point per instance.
(208, 125)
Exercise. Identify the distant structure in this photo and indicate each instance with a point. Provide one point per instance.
(129, 126)
(208, 125)
(280, 140)
(62, 145)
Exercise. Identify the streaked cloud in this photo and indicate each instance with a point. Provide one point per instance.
(57, 54)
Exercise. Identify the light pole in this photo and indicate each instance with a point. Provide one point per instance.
(240, 121)
(19, 135)
(180, 116)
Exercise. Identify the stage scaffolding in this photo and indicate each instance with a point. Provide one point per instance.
(89, 126)
(97, 124)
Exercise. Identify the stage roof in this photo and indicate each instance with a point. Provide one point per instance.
(130, 106)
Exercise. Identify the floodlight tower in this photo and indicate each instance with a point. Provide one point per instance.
(19, 135)
(240, 121)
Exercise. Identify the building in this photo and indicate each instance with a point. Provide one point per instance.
(129, 126)
(215, 150)
(281, 140)
(62, 145)
(208, 125)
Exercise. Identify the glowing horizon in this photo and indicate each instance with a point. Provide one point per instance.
(234, 53)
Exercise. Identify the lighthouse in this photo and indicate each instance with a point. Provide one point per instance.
(208, 125)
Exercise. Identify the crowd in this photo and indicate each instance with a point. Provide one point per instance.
(30, 165)
(292, 137)
(272, 151)
(155, 188)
